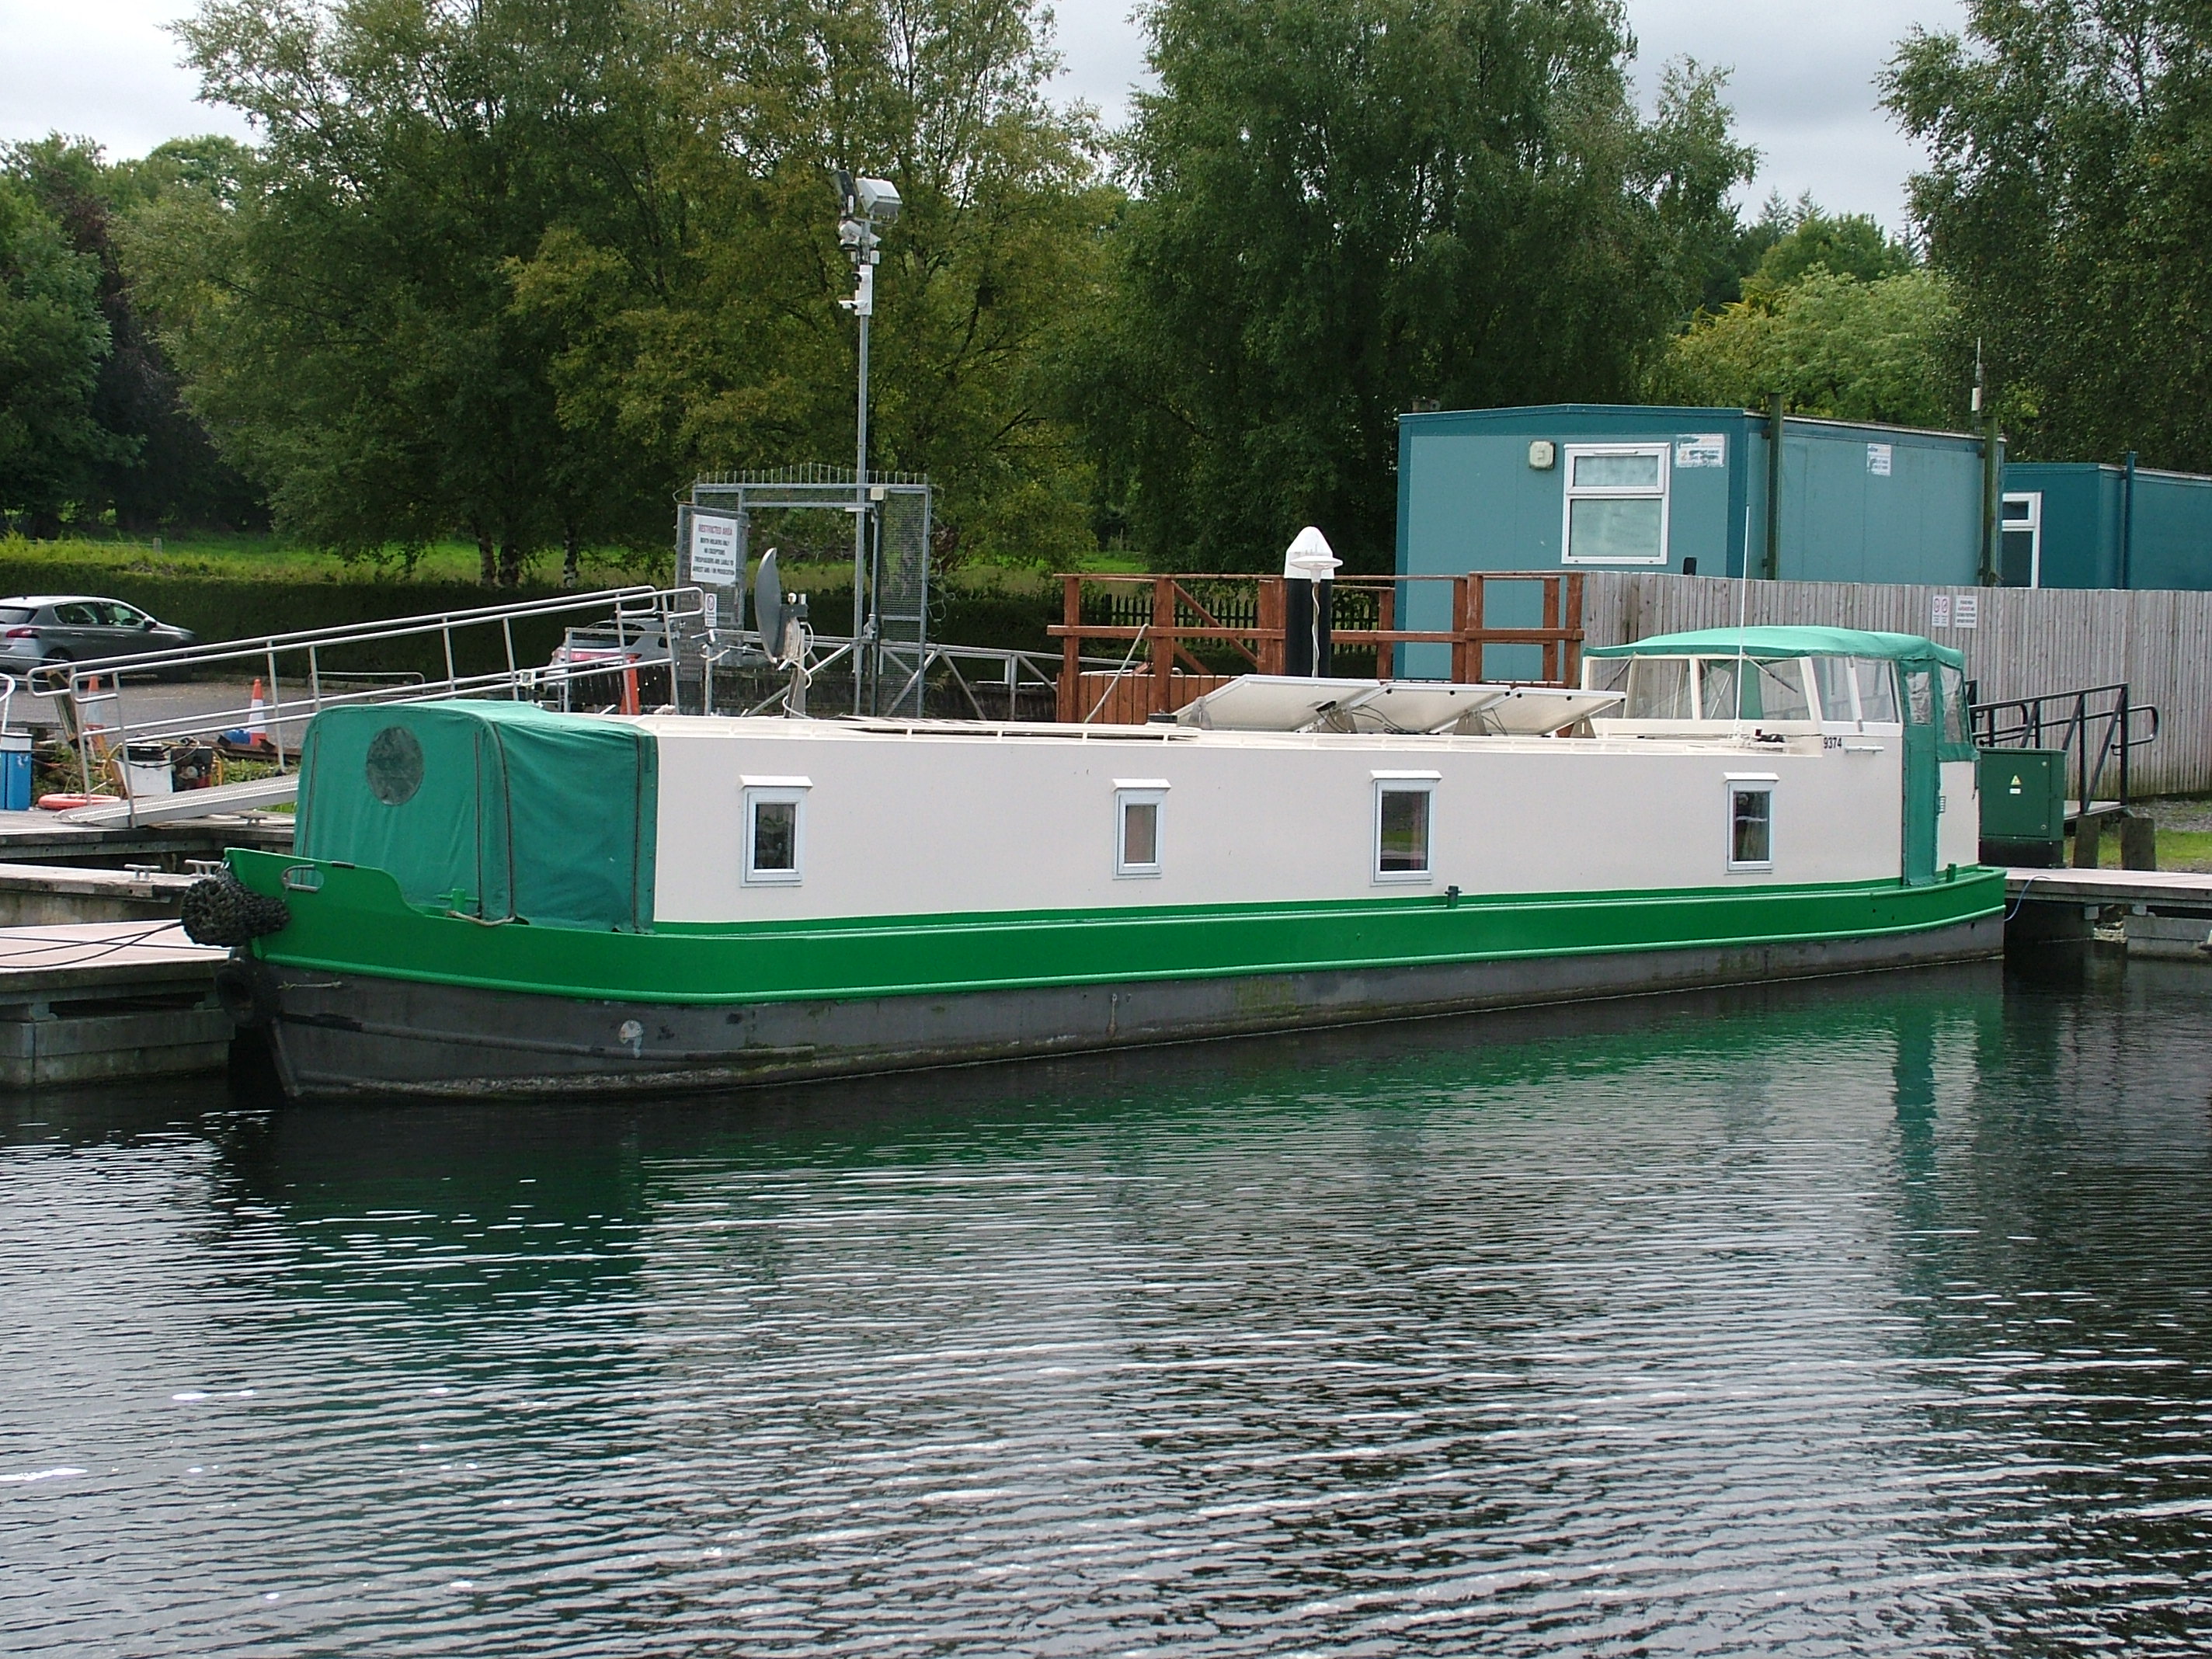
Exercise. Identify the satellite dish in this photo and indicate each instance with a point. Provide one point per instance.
(768, 605)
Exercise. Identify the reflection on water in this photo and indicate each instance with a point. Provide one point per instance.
(1851, 1318)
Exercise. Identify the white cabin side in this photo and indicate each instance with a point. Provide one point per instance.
(890, 821)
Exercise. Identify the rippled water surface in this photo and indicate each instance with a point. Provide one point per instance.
(1866, 1317)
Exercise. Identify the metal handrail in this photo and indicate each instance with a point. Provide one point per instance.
(2066, 720)
(646, 613)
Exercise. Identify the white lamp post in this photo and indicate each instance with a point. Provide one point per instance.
(863, 204)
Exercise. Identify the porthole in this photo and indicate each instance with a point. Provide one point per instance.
(395, 766)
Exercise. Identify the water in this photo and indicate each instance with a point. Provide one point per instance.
(1866, 1317)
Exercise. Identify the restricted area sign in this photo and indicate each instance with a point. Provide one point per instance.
(715, 549)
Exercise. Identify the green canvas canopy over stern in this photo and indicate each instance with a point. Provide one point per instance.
(499, 810)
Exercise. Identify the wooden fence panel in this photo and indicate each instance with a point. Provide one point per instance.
(2027, 642)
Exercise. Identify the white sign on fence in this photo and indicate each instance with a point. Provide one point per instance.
(1878, 459)
(1966, 610)
(715, 549)
(1939, 611)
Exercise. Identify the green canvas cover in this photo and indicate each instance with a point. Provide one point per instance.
(495, 809)
(1788, 642)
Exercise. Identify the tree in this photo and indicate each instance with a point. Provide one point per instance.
(164, 471)
(524, 267)
(52, 340)
(344, 306)
(2069, 199)
(1849, 244)
(1342, 206)
(1831, 345)
(710, 337)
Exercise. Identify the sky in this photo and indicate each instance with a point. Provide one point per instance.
(1802, 79)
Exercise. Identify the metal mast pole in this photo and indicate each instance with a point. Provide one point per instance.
(862, 204)
(861, 468)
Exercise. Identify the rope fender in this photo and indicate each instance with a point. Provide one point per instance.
(220, 910)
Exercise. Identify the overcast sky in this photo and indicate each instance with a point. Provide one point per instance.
(1802, 82)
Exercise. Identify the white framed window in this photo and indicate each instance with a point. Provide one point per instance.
(1405, 822)
(1615, 506)
(775, 815)
(2020, 540)
(1140, 815)
(1751, 820)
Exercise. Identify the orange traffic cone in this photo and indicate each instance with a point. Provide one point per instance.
(257, 721)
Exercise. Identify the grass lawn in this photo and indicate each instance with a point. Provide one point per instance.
(248, 556)
(2177, 849)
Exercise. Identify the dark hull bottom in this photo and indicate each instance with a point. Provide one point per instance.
(354, 1035)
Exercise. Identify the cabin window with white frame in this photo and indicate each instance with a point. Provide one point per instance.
(1877, 684)
(1404, 820)
(1616, 504)
(1658, 689)
(775, 832)
(1751, 823)
(1139, 806)
(1832, 679)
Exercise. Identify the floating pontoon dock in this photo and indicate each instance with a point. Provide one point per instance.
(107, 999)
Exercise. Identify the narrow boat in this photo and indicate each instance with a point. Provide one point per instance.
(492, 898)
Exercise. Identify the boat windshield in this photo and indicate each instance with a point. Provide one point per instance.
(1653, 688)
(1748, 688)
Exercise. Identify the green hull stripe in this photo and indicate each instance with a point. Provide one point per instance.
(356, 923)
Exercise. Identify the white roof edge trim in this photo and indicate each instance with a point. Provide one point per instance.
(753, 780)
(1140, 783)
(1406, 777)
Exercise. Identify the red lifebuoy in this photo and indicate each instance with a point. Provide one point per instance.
(70, 803)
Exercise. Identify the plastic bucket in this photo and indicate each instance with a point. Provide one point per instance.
(147, 765)
(15, 771)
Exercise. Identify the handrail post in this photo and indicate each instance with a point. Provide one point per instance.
(1269, 612)
(1071, 651)
(1164, 642)
(1466, 606)
(277, 703)
(1572, 667)
(2120, 730)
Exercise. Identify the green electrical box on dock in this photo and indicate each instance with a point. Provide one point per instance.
(2024, 807)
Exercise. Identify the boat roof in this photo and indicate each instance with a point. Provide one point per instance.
(1793, 642)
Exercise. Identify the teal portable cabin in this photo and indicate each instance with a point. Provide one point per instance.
(1626, 486)
(2083, 524)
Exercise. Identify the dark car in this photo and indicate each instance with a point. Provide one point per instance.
(39, 628)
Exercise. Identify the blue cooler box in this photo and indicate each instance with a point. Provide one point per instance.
(15, 771)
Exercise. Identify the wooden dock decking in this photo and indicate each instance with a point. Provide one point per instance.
(107, 999)
(2159, 912)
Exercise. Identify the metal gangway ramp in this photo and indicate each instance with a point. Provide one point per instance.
(104, 706)
(603, 639)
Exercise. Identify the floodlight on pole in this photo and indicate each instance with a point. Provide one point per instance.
(863, 204)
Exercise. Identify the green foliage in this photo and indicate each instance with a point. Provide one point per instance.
(2069, 199)
(161, 472)
(522, 268)
(1342, 206)
(1849, 244)
(716, 342)
(1831, 345)
(52, 338)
